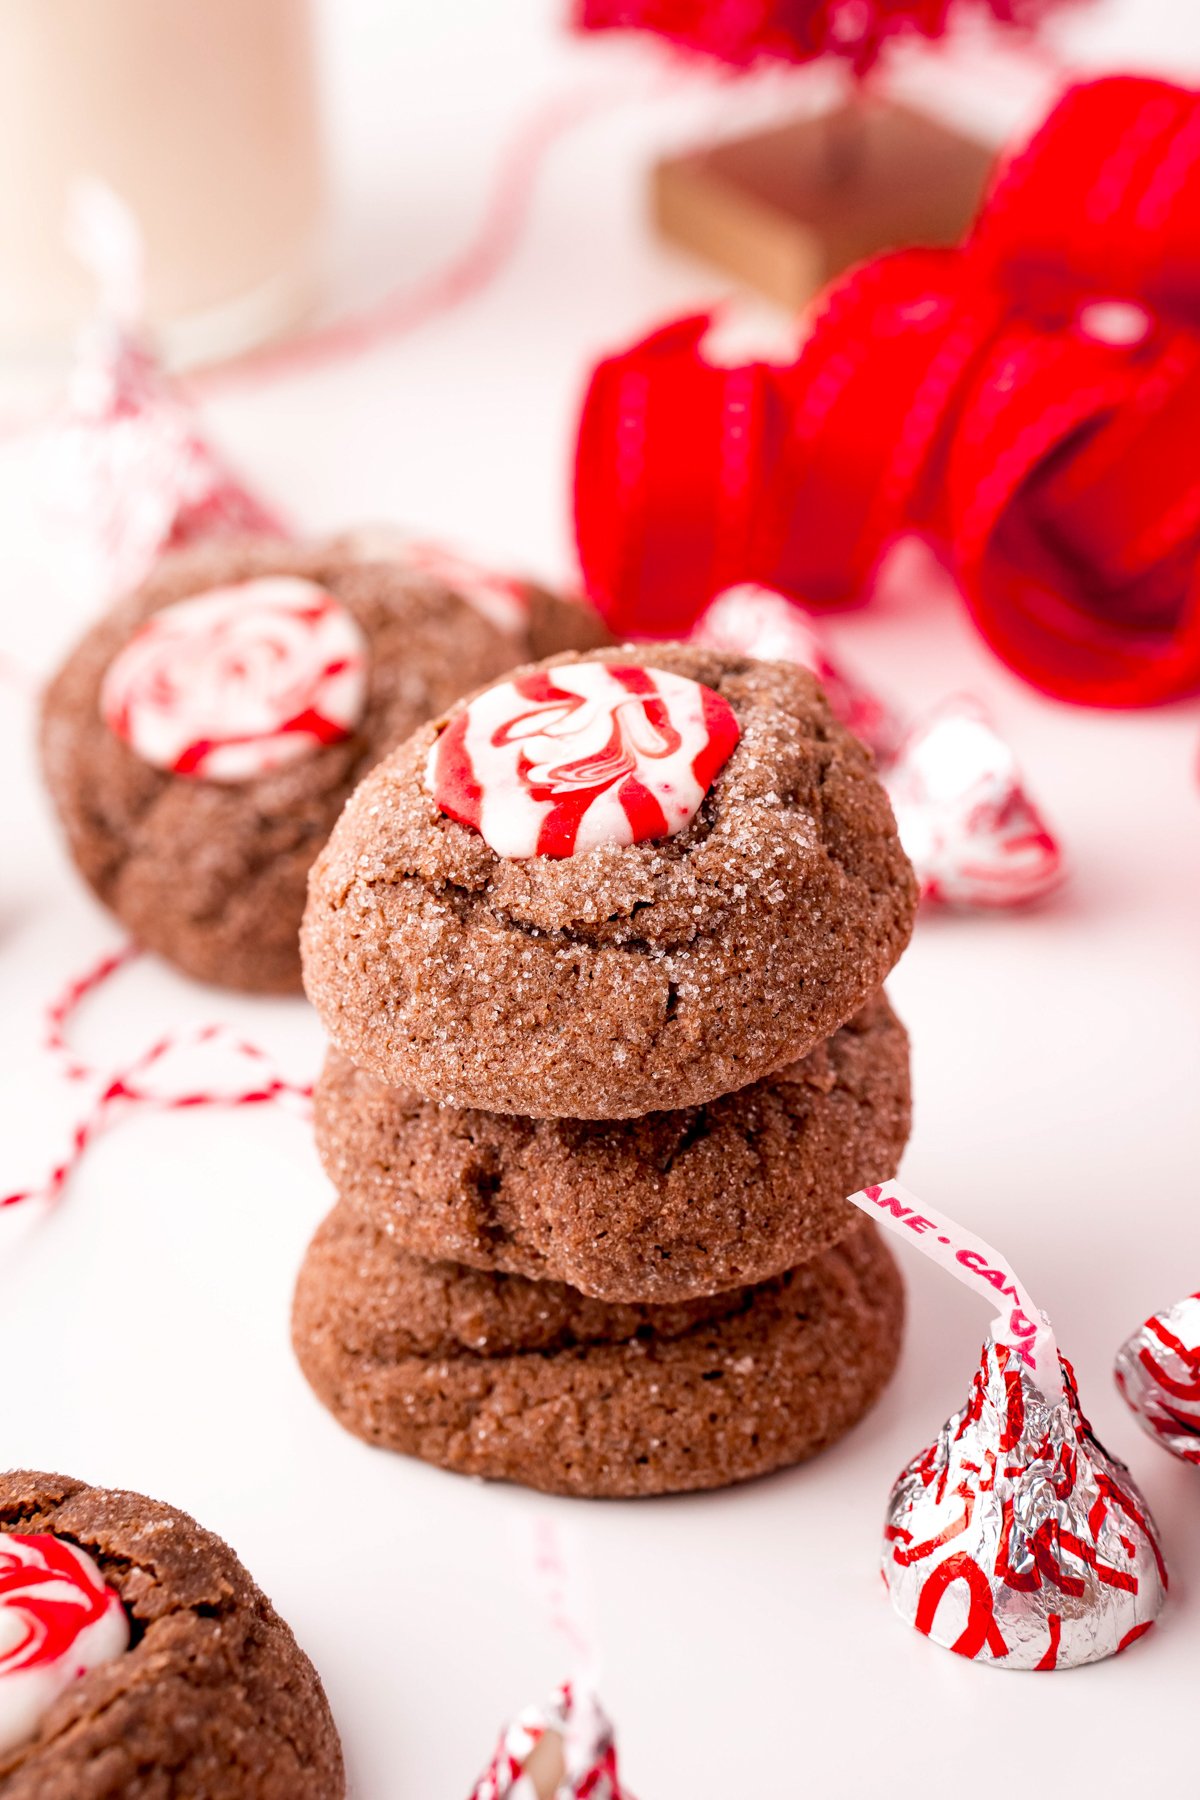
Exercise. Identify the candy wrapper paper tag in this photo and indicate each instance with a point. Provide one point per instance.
(758, 621)
(563, 1751)
(969, 828)
(1158, 1373)
(1014, 1539)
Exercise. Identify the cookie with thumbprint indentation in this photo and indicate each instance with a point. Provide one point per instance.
(609, 885)
(530, 1382)
(202, 739)
(660, 1208)
(137, 1657)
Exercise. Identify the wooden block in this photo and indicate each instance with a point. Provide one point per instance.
(786, 209)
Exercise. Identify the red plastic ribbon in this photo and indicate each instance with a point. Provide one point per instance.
(1030, 401)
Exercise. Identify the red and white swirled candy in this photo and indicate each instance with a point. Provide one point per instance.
(1015, 1539)
(234, 682)
(559, 761)
(967, 823)
(564, 1751)
(58, 1620)
(1158, 1372)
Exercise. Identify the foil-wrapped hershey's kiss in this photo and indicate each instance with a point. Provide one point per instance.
(563, 1751)
(965, 818)
(759, 621)
(58, 1620)
(556, 762)
(231, 683)
(968, 825)
(1158, 1373)
(1014, 1539)
(125, 467)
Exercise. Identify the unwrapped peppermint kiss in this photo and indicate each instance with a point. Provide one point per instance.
(563, 1751)
(760, 622)
(1014, 1539)
(559, 761)
(1158, 1373)
(234, 682)
(968, 826)
(58, 1620)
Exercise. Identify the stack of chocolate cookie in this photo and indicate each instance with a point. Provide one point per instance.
(601, 954)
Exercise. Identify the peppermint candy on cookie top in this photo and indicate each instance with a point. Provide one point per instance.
(559, 761)
(232, 683)
(58, 1620)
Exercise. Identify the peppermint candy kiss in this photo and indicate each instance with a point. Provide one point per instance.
(1158, 1373)
(556, 762)
(1015, 1538)
(968, 826)
(58, 1620)
(563, 1751)
(235, 682)
(758, 621)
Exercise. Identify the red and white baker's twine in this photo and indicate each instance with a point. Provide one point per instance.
(127, 1087)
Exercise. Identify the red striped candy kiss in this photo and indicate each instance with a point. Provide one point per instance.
(58, 1620)
(556, 762)
(231, 683)
(1158, 1372)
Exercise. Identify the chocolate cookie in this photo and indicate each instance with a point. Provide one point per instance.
(202, 1692)
(530, 1382)
(765, 895)
(555, 623)
(201, 844)
(546, 622)
(659, 1208)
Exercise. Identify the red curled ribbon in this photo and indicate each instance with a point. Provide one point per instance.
(1030, 401)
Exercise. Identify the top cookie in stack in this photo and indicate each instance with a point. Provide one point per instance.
(634, 974)
(600, 951)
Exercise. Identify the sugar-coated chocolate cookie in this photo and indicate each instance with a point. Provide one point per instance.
(743, 895)
(195, 1688)
(530, 1382)
(546, 622)
(661, 1208)
(202, 739)
(555, 623)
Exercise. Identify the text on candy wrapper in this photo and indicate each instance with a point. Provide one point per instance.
(1021, 1328)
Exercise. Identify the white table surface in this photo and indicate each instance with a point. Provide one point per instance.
(746, 1641)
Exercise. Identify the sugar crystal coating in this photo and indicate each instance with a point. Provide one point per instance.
(632, 978)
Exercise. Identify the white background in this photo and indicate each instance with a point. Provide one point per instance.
(747, 1644)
